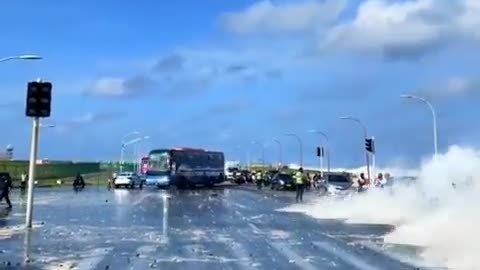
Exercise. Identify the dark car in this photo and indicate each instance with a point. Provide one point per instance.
(282, 181)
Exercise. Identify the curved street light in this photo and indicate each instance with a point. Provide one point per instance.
(432, 110)
(300, 145)
(280, 161)
(365, 136)
(262, 146)
(313, 131)
(21, 57)
(136, 152)
(122, 150)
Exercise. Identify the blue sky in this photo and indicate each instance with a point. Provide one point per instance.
(221, 74)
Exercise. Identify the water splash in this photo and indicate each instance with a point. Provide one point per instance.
(439, 211)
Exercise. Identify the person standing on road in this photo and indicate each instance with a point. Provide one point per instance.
(300, 184)
(5, 185)
(259, 179)
(23, 181)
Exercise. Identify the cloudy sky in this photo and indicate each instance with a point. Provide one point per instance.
(220, 74)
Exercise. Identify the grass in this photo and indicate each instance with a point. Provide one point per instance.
(92, 179)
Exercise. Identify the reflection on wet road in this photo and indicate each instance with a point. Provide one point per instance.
(221, 228)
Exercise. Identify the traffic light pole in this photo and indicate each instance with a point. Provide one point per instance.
(321, 162)
(373, 159)
(31, 171)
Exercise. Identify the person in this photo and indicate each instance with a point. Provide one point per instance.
(299, 184)
(79, 181)
(23, 182)
(362, 182)
(5, 185)
(259, 179)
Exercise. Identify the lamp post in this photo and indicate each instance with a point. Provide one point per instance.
(280, 150)
(365, 134)
(21, 57)
(262, 146)
(434, 118)
(328, 151)
(135, 143)
(300, 143)
(122, 151)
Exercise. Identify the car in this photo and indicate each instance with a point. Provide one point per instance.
(128, 180)
(282, 181)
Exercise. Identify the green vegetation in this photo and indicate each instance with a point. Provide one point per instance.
(51, 170)
(92, 179)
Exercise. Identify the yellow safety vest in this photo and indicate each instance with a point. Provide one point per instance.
(299, 178)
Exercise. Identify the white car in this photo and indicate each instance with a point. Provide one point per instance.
(128, 180)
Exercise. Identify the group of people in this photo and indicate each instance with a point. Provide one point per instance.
(380, 181)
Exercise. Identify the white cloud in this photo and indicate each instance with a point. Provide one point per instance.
(120, 87)
(109, 87)
(454, 87)
(292, 16)
(84, 119)
(407, 28)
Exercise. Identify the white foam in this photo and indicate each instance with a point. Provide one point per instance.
(431, 213)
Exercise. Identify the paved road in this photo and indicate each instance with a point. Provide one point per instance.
(220, 228)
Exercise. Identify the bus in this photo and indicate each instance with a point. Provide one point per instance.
(144, 165)
(185, 167)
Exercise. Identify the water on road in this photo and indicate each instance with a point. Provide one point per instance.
(219, 228)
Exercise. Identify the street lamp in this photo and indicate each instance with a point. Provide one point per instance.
(262, 146)
(279, 152)
(328, 151)
(136, 151)
(300, 145)
(122, 151)
(365, 135)
(432, 110)
(47, 126)
(21, 57)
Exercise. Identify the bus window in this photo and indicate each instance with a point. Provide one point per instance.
(159, 162)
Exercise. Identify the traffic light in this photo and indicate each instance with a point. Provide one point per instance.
(370, 145)
(39, 99)
(320, 152)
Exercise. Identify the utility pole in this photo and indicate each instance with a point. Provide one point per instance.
(39, 98)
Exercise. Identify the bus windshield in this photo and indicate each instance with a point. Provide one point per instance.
(159, 161)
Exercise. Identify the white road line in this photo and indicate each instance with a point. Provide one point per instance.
(255, 229)
(143, 261)
(287, 251)
(92, 259)
(408, 260)
(354, 261)
(240, 254)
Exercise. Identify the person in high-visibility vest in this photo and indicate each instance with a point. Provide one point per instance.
(259, 179)
(300, 184)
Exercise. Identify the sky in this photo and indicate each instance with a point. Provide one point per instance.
(221, 74)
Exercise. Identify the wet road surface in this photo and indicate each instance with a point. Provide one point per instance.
(219, 228)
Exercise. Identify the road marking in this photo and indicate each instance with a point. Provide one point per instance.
(293, 257)
(241, 254)
(144, 253)
(408, 260)
(255, 229)
(354, 261)
(286, 251)
(93, 259)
